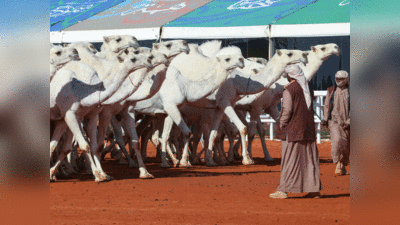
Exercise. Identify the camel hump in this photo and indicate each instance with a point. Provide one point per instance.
(210, 48)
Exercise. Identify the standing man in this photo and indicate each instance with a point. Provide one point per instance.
(337, 114)
(300, 160)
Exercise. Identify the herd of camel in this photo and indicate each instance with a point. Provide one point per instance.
(164, 94)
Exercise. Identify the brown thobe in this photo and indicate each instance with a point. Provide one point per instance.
(300, 160)
(340, 115)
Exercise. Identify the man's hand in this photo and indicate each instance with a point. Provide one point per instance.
(324, 122)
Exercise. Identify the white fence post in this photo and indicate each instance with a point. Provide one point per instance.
(319, 106)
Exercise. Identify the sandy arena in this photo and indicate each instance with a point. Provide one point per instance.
(233, 194)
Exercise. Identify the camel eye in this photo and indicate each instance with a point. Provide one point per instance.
(255, 71)
(133, 60)
(137, 52)
(169, 45)
(323, 49)
(126, 51)
(228, 59)
(259, 61)
(58, 53)
(118, 40)
(290, 54)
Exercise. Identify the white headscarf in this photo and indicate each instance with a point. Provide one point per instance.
(295, 72)
(342, 74)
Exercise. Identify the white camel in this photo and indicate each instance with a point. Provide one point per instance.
(268, 100)
(114, 44)
(149, 87)
(59, 57)
(83, 97)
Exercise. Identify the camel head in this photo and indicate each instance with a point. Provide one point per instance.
(117, 43)
(325, 51)
(259, 60)
(171, 48)
(230, 58)
(156, 58)
(291, 56)
(83, 45)
(135, 60)
(60, 56)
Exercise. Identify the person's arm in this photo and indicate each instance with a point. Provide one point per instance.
(346, 124)
(287, 109)
(324, 121)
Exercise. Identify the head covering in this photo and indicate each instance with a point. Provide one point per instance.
(295, 72)
(342, 74)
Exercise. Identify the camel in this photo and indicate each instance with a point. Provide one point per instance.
(112, 45)
(59, 57)
(268, 100)
(149, 87)
(83, 96)
(179, 89)
(259, 60)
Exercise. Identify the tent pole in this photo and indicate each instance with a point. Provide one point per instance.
(269, 43)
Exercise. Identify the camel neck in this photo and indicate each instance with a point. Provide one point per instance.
(314, 63)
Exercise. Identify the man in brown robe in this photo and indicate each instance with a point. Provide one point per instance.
(337, 115)
(300, 160)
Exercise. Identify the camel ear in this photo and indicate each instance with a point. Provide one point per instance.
(65, 45)
(106, 39)
(156, 46)
(279, 52)
(314, 48)
(219, 59)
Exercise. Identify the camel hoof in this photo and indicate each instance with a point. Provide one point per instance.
(247, 162)
(146, 176)
(211, 164)
(176, 163)
(165, 165)
(269, 159)
(185, 164)
(100, 179)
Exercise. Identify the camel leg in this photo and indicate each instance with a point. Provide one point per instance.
(66, 146)
(176, 116)
(91, 130)
(59, 130)
(261, 133)
(168, 123)
(228, 110)
(213, 134)
(196, 140)
(254, 115)
(146, 136)
(130, 128)
(121, 142)
(75, 127)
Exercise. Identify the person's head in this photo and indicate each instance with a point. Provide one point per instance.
(293, 71)
(342, 78)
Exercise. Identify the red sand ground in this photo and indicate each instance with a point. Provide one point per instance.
(234, 194)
